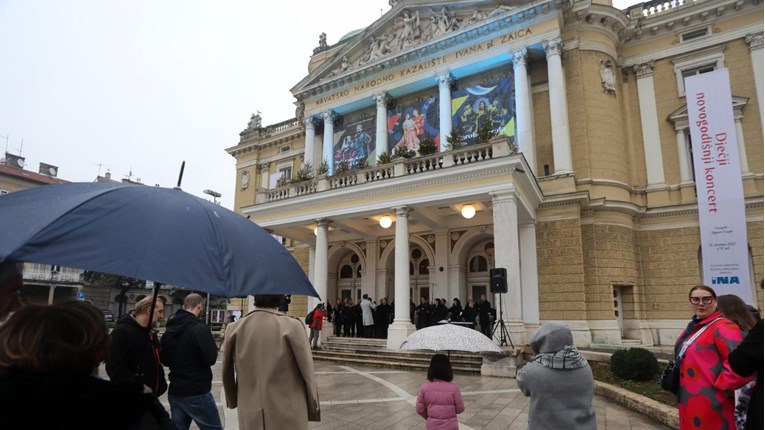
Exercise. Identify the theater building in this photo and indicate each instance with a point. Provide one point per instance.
(585, 195)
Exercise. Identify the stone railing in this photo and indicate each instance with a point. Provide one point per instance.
(42, 275)
(497, 147)
(655, 7)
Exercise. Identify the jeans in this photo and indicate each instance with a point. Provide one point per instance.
(313, 339)
(200, 408)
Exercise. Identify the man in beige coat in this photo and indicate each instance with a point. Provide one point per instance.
(268, 369)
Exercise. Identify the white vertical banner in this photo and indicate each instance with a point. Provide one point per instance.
(722, 218)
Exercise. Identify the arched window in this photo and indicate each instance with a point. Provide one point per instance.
(346, 272)
(478, 264)
(424, 267)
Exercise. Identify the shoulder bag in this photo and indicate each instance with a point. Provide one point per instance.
(670, 377)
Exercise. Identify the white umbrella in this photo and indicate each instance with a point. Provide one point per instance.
(449, 337)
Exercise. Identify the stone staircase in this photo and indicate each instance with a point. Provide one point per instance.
(373, 352)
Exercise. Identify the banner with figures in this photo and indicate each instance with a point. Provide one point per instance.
(409, 124)
(355, 144)
(492, 103)
(722, 217)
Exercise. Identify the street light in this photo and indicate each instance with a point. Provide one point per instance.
(215, 195)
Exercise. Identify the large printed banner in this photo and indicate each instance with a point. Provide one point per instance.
(355, 142)
(720, 193)
(408, 125)
(473, 107)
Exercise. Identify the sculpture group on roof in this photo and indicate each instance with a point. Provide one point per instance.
(407, 31)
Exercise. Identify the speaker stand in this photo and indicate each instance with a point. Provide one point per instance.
(504, 335)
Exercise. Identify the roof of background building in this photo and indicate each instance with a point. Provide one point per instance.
(30, 176)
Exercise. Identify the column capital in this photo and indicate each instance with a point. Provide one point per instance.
(500, 196)
(445, 79)
(263, 166)
(754, 40)
(309, 122)
(644, 70)
(322, 222)
(329, 116)
(401, 211)
(553, 47)
(519, 57)
(381, 99)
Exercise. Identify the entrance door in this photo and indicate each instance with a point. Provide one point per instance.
(345, 293)
(618, 309)
(476, 291)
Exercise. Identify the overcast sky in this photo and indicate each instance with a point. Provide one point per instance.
(142, 85)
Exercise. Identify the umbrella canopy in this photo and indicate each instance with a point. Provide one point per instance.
(159, 234)
(449, 337)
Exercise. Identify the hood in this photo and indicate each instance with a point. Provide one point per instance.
(551, 337)
(182, 320)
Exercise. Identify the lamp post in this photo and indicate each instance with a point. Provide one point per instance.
(215, 195)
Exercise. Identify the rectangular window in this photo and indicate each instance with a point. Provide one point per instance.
(694, 34)
(696, 63)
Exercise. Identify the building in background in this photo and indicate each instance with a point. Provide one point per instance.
(586, 196)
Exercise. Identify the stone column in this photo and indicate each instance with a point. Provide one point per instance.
(507, 255)
(754, 41)
(51, 294)
(523, 113)
(381, 127)
(649, 119)
(310, 142)
(683, 157)
(558, 107)
(321, 269)
(329, 138)
(742, 160)
(402, 326)
(444, 107)
(264, 175)
(527, 235)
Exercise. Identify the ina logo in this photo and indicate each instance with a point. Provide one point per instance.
(725, 280)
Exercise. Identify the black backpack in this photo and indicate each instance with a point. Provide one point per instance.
(309, 318)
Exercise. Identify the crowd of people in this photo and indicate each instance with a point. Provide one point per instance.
(52, 354)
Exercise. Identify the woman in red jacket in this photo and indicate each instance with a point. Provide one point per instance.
(705, 398)
(319, 313)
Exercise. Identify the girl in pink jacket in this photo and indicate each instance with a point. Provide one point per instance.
(439, 401)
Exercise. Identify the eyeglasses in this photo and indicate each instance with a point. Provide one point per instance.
(706, 300)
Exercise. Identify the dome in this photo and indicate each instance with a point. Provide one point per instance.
(350, 35)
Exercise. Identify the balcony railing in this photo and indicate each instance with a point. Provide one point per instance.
(498, 147)
(41, 275)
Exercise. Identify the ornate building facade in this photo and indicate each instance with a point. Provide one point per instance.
(586, 194)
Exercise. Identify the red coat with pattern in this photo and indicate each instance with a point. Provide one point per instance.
(318, 317)
(705, 398)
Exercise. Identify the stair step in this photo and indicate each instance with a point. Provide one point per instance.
(407, 358)
(421, 354)
(391, 364)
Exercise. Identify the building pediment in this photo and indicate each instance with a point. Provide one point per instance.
(414, 31)
(679, 117)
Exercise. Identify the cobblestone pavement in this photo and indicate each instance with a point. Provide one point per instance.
(360, 397)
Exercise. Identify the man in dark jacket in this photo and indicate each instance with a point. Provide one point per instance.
(133, 345)
(484, 316)
(189, 349)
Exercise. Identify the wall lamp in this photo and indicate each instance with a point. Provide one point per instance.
(386, 221)
(468, 211)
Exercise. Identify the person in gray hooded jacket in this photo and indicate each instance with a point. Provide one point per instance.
(559, 381)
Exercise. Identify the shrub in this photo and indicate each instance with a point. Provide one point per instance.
(342, 167)
(453, 140)
(323, 168)
(427, 146)
(638, 364)
(384, 158)
(304, 174)
(403, 152)
(282, 181)
(485, 133)
(362, 163)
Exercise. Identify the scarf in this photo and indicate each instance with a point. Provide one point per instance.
(567, 358)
